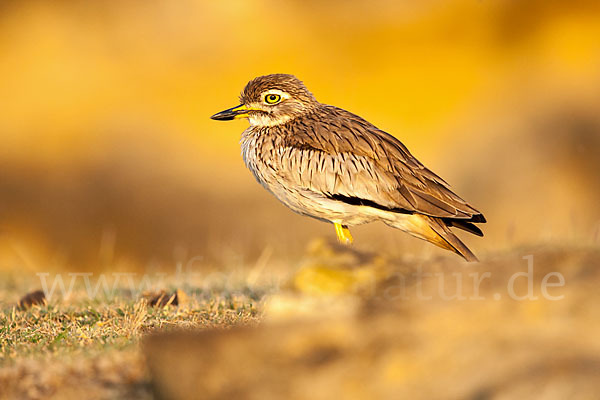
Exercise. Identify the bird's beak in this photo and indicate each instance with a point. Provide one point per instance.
(236, 112)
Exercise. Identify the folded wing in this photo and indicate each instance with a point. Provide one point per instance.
(350, 160)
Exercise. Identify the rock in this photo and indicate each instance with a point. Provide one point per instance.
(420, 342)
(36, 298)
(164, 299)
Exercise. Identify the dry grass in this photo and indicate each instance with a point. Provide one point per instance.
(92, 347)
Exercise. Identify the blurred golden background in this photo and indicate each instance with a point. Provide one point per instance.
(108, 157)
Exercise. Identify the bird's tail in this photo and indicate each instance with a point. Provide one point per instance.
(435, 231)
(452, 242)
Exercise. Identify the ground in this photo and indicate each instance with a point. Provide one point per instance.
(93, 347)
(344, 323)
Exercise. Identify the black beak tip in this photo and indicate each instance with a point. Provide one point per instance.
(229, 114)
(221, 116)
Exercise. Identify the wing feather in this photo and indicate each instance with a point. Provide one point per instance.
(349, 158)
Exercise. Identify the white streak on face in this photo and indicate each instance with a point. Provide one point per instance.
(266, 120)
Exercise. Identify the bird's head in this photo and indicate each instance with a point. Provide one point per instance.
(271, 100)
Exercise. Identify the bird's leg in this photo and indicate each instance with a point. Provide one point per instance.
(343, 233)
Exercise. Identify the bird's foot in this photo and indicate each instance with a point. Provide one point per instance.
(343, 234)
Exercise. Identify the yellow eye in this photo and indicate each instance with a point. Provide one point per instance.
(272, 98)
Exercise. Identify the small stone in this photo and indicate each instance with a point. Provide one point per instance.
(37, 298)
(163, 299)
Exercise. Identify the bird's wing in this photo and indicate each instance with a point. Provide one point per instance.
(344, 157)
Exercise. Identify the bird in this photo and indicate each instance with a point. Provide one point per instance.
(327, 163)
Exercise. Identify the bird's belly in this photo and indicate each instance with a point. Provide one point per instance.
(306, 202)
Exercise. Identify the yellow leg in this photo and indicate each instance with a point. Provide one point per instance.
(343, 234)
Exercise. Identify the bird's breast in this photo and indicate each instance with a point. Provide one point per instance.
(296, 177)
(260, 154)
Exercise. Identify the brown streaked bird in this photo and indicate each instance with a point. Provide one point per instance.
(332, 165)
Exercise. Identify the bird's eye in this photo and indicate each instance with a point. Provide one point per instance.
(272, 98)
